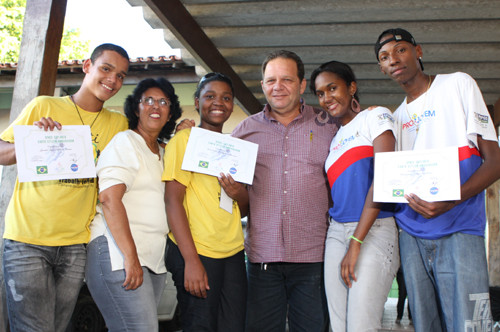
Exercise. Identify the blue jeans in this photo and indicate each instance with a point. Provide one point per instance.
(123, 310)
(275, 289)
(224, 307)
(447, 282)
(42, 284)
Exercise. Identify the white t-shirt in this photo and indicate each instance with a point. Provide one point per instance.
(128, 160)
(349, 165)
(451, 114)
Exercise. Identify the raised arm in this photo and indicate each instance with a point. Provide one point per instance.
(195, 276)
(383, 143)
(117, 221)
(7, 150)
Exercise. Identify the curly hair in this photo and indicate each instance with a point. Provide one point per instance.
(132, 104)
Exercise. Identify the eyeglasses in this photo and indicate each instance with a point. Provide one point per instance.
(151, 101)
(215, 75)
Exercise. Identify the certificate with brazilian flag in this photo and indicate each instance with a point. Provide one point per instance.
(53, 155)
(213, 153)
(433, 175)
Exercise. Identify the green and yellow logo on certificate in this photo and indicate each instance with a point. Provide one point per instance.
(398, 192)
(41, 170)
(203, 164)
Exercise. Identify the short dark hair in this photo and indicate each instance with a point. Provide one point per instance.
(108, 47)
(342, 70)
(285, 55)
(132, 104)
(210, 77)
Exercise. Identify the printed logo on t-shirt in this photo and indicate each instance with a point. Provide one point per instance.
(416, 119)
(343, 141)
(481, 119)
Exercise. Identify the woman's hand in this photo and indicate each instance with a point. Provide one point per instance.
(349, 263)
(195, 278)
(133, 273)
(232, 188)
(236, 190)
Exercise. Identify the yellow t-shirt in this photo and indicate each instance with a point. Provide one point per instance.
(216, 232)
(58, 212)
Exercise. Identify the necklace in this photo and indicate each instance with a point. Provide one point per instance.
(417, 124)
(77, 111)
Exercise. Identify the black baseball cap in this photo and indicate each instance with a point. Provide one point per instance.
(398, 34)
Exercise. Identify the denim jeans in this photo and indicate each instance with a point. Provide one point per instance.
(275, 289)
(224, 307)
(447, 282)
(361, 307)
(123, 310)
(42, 284)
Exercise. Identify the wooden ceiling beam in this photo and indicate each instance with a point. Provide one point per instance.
(180, 22)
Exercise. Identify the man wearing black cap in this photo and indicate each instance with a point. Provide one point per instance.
(442, 243)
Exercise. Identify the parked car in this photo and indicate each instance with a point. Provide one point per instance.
(87, 317)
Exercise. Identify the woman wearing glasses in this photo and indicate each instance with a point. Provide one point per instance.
(125, 269)
(205, 243)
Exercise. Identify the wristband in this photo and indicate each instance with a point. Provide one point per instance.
(356, 239)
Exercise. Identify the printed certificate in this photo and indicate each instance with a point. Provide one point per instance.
(213, 153)
(53, 155)
(433, 175)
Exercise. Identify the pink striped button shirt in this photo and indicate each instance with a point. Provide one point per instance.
(289, 197)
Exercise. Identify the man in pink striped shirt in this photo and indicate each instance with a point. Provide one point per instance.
(289, 200)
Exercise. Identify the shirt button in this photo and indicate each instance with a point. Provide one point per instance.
(286, 172)
(284, 212)
(286, 154)
(284, 191)
(286, 137)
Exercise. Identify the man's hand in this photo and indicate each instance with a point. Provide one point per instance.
(47, 124)
(428, 209)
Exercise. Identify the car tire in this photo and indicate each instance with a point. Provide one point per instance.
(86, 317)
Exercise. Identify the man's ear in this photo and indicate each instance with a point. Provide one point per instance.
(418, 51)
(86, 66)
(303, 86)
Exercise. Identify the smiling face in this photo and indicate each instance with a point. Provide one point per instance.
(282, 87)
(215, 105)
(399, 60)
(152, 118)
(335, 96)
(105, 76)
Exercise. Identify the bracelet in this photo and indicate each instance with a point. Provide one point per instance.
(356, 239)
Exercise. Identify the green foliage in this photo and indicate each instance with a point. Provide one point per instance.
(73, 47)
(11, 27)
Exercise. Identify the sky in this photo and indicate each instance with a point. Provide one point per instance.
(115, 21)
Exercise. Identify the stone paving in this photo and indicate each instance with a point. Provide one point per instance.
(389, 319)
